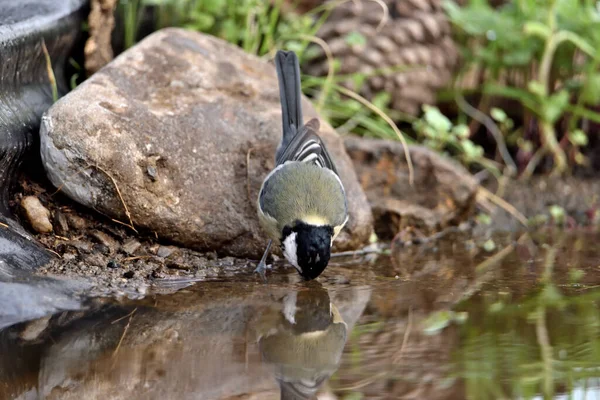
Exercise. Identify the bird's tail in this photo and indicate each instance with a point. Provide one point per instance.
(290, 92)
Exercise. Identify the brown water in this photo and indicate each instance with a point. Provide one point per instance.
(442, 321)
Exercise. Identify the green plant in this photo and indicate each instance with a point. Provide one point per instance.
(542, 53)
(439, 133)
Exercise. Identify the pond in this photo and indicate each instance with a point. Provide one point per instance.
(436, 321)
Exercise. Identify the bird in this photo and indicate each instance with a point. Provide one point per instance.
(303, 341)
(302, 204)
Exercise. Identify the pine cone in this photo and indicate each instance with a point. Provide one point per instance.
(415, 44)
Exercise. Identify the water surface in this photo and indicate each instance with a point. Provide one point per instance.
(446, 320)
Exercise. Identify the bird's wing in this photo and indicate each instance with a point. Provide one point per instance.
(307, 146)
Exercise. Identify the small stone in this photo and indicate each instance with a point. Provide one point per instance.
(112, 264)
(76, 222)
(165, 251)
(34, 329)
(60, 222)
(178, 264)
(151, 171)
(105, 239)
(100, 248)
(129, 274)
(37, 214)
(131, 246)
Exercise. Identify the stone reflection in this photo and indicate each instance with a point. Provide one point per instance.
(217, 341)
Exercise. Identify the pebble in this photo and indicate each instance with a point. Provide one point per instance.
(131, 246)
(61, 223)
(165, 251)
(76, 222)
(105, 240)
(37, 214)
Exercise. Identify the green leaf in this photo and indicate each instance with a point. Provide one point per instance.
(591, 90)
(558, 214)
(484, 219)
(584, 113)
(523, 96)
(436, 119)
(578, 137)
(461, 131)
(536, 28)
(202, 21)
(555, 106)
(472, 151)
(437, 321)
(498, 114)
(537, 88)
(355, 38)
(381, 100)
(230, 31)
(214, 7)
(489, 245)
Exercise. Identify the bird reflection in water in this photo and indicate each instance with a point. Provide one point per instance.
(303, 340)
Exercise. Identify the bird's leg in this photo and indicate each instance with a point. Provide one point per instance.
(262, 266)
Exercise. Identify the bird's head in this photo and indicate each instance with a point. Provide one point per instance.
(307, 247)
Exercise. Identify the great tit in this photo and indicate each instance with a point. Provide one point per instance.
(302, 203)
(305, 343)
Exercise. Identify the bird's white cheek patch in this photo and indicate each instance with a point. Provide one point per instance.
(289, 250)
(289, 307)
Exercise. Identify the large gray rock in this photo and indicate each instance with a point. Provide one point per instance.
(172, 123)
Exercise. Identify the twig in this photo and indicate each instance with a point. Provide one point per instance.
(500, 202)
(396, 360)
(50, 71)
(127, 213)
(490, 126)
(398, 355)
(533, 163)
(122, 223)
(360, 252)
(130, 315)
(135, 258)
(386, 118)
(2, 224)
(332, 4)
(248, 171)
(53, 252)
(330, 68)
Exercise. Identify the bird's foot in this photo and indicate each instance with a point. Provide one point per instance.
(261, 269)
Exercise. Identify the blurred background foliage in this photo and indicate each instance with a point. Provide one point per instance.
(512, 87)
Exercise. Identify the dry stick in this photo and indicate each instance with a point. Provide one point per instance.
(127, 213)
(376, 110)
(358, 5)
(118, 191)
(330, 68)
(395, 360)
(500, 202)
(490, 126)
(124, 331)
(2, 224)
(50, 71)
(398, 356)
(360, 252)
(53, 252)
(248, 171)
(135, 258)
